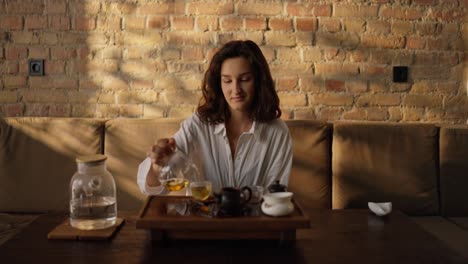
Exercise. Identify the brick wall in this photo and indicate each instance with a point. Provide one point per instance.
(331, 60)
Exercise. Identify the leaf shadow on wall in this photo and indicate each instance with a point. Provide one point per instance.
(140, 75)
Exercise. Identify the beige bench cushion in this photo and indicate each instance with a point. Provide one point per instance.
(310, 178)
(448, 232)
(454, 170)
(385, 162)
(37, 160)
(128, 140)
(126, 144)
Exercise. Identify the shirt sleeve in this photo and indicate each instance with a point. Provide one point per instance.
(183, 136)
(282, 163)
(143, 170)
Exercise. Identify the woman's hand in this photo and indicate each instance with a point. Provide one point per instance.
(159, 153)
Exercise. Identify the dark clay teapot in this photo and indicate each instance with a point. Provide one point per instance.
(231, 201)
(277, 187)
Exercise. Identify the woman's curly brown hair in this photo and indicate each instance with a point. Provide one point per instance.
(213, 107)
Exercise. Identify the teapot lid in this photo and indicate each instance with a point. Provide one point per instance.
(276, 187)
(91, 158)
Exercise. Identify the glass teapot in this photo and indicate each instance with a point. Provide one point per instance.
(93, 203)
(178, 171)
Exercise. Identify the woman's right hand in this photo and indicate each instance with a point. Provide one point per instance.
(159, 153)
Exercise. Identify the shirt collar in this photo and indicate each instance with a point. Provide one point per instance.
(221, 128)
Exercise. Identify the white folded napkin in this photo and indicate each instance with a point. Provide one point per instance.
(380, 209)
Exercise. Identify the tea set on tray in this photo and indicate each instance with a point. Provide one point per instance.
(245, 201)
(234, 202)
(230, 201)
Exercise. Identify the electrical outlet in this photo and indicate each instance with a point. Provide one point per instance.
(400, 74)
(36, 67)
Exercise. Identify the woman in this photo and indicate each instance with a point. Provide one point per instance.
(236, 137)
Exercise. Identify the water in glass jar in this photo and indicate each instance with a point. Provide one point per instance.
(91, 213)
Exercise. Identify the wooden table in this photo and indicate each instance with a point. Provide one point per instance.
(339, 236)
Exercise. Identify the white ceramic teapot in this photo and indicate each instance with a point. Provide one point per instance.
(277, 204)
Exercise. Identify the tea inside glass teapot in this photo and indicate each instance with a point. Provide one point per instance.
(178, 171)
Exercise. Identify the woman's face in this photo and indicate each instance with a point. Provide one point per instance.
(237, 83)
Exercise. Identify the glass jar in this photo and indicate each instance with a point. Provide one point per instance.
(93, 203)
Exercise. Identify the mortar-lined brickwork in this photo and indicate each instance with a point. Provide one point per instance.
(331, 60)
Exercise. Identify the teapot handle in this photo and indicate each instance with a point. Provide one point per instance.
(246, 188)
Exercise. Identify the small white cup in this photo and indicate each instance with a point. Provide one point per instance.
(380, 209)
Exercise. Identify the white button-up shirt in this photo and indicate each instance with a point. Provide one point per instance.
(263, 154)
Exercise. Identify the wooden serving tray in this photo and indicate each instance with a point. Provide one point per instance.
(153, 216)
